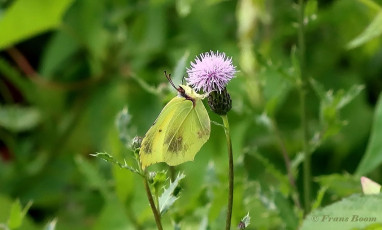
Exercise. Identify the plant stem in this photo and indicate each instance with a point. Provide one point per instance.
(230, 173)
(304, 124)
(287, 162)
(152, 205)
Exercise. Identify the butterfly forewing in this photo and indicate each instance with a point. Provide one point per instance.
(151, 148)
(180, 131)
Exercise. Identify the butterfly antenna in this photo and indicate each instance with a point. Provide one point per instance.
(168, 76)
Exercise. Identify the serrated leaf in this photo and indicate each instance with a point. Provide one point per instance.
(370, 186)
(108, 158)
(17, 118)
(373, 156)
(245, 221)
(373, 30)
(167, 199)
(354, 212)
(340, 185)
(30, 17)
(286, 211)
(284, 186)
(157, 179)
(330, 105)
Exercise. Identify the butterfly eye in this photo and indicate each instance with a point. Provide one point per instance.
(181, 91)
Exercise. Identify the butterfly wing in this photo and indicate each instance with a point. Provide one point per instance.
(187, 132)
(152, 144)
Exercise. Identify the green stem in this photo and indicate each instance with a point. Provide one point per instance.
(230, 173)
(304, 124)
(152, 205)
(287, 162)
(157, 200)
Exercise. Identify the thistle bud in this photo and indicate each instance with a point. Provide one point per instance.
(220, 102)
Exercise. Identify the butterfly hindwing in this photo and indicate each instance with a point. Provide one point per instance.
(186, 134)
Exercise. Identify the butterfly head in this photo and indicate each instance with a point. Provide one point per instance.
(185, 91)
(188, 92)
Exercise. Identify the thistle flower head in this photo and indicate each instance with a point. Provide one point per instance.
(211, 71)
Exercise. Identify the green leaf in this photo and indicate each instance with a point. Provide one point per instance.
(170, 195)
(17, 118)
(15, 218)
(60, 48)
(286, 211)
(121, 178)
(157, 179)
(373, 156)
(330, 105)
(284, 186)
(310, 11)
(22, 83)
(94, 179)
(353, 212)
(183, 7)
(320, 196)
(372, 31)
(113, 217)
(371, 4)
(27, 18)
(17, 214)
(179, 69)
(349, 95)
(340, 185)
(108, 158)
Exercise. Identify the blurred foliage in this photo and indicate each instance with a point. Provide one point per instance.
(68, 68)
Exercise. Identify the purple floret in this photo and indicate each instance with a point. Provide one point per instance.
(210, 72)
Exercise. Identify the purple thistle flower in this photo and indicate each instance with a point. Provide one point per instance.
(210, 72)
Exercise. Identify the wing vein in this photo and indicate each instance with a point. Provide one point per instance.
(197, 114)
(179, 125)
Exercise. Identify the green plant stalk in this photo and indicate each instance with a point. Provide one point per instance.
(304, 124)
(292, 181)
(230, 173)
(152, 204)
(157, 200)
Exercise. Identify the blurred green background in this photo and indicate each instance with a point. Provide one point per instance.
(68, 67)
